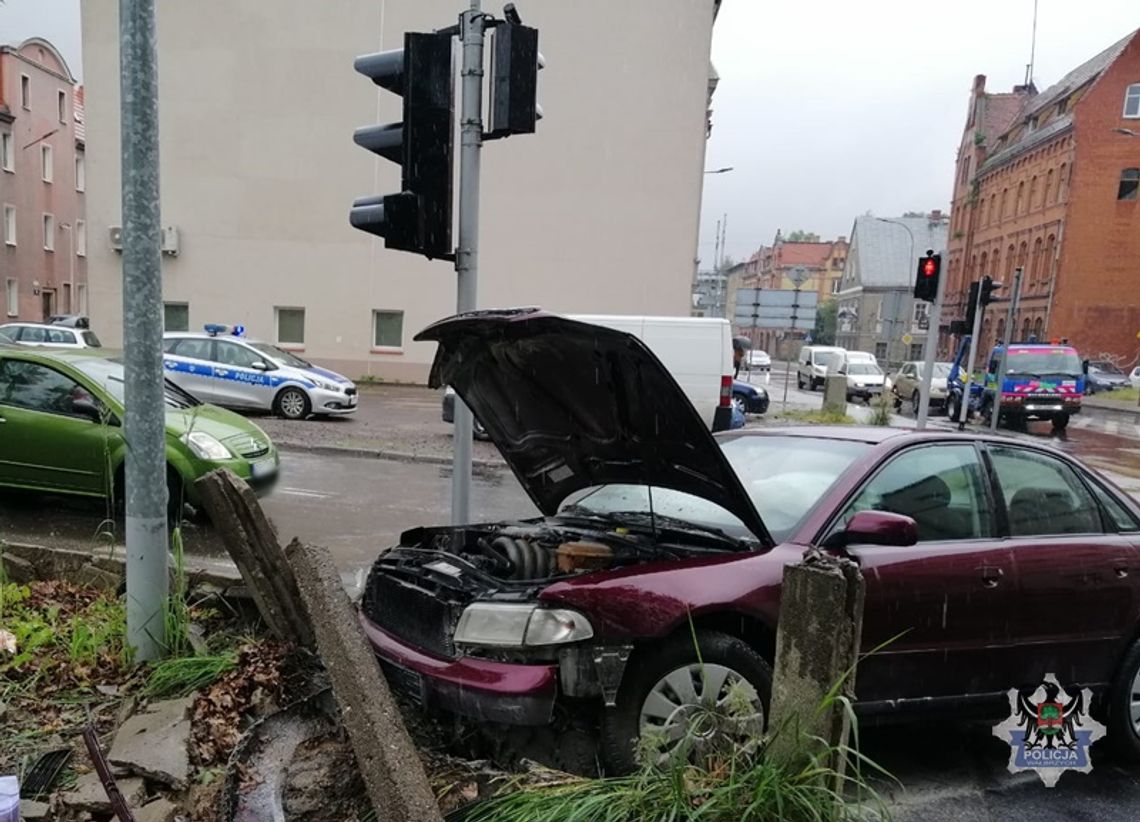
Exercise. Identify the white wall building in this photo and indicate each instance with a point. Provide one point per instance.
(595, 213)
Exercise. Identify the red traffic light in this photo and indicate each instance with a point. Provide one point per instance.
(929, 269)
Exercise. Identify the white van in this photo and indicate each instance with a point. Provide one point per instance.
(697, 351)
(814, 362)
(860, 356)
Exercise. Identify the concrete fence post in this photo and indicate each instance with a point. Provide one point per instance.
(817, 644)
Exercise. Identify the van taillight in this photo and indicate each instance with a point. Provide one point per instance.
(725, 390)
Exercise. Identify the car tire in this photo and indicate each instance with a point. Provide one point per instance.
(478, 431)
(1123, 733)
(953, 408)
(896, 400)
(1060, 422)
(646, 674)
(175, 498)
(739, 403)
(915, 399)
(800, 381)
(292, 404)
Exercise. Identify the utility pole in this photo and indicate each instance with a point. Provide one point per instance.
(471, 33)
(964, 410)
(932, 334)
(144, 426)
(1007, 337)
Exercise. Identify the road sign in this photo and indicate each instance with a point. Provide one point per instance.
(799, 275)
(776, 308)
(906, 338)
(775, 298)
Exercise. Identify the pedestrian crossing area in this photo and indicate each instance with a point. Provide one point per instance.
(1112, 426)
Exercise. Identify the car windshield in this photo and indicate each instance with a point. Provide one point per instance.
(784, 477)
(1044, 362)
(91, 340)
(109, 374)
(828, 359)
(280, 355)
(1107, 368)
(863, 368)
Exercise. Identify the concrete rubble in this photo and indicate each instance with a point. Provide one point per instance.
(155, 743)
(89, 795)
(160, 810)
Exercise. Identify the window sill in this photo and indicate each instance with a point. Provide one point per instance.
(49, 250)
(391, 350)
(9, 170)
(291, 346)
(9, 243)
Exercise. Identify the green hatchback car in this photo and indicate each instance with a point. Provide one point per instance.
(61, 430)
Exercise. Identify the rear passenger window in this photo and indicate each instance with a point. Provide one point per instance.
(1043, 496)
(1117, 513)
(940, 487)
(194, 348)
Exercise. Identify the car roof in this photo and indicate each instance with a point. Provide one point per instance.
(876, 434)
(203, 335)
(54, 326)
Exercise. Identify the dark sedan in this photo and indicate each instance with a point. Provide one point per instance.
(749, 398)
(989, 562)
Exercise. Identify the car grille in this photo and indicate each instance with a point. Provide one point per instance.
(408, 603)
(255, 453)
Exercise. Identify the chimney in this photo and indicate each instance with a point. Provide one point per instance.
(980, 84)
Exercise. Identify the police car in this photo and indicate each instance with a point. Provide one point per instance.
(223, 367)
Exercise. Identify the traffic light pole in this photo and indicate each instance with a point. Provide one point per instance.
(471, 32)
(144, 423)
(932, 334)
(1007, 337)
(964, 410)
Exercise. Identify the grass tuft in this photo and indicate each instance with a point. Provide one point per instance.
(181, 676)
(817, 417)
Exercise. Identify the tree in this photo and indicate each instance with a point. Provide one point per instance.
(826, 319)
(801, 236)
(914, 214)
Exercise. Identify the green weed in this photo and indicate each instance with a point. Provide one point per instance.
(817, 417)
(183, 675)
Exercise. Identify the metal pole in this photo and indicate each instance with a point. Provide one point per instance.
(964, 412)
(1007, 337)
(788, 369)
(144, 422)
(471, 23)
(721, 284)
(935, 320)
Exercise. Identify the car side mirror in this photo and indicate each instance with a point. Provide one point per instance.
(87, 409)
(876, 528)
(260, 366)
(1084, 366)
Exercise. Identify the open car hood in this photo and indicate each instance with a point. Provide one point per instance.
(572, 405)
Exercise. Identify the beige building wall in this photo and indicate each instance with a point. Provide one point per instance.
(596, 213)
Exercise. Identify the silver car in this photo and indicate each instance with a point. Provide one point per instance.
(50, 334)
(222, 367)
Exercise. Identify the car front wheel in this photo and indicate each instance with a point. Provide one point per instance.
(292, 404)
(687, 698)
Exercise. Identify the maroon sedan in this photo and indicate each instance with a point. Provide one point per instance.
(994, 561)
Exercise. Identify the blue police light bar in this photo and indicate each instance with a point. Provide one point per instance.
(214, 329)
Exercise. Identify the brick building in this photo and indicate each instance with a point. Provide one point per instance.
(1050, 182)
(43, 266)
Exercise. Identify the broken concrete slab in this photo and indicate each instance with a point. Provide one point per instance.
(393, 773)
(32, 811)
(160, 810)
(155, 743)
(89, 794)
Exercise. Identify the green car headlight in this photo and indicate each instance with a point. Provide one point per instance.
(205, 446)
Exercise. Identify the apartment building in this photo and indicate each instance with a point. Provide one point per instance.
(43, 253)
(595, 213)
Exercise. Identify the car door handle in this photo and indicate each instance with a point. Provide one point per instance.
(3, 420)
(1120, 568)
(991, 575)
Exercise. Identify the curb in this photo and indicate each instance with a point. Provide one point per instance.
(381, 454)
(1118, 409)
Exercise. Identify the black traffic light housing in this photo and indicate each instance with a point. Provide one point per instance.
(989, 286)
(515, 61)
(418, 218)
(971, 307)
(926, 280)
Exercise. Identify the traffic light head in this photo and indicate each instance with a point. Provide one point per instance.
(418, 218)
(926, 280)
(989, 286)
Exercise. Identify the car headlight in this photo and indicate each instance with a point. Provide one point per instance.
(512, 625)
(325, 384)
(205, 446)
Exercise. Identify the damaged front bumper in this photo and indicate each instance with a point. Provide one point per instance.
(481, 689)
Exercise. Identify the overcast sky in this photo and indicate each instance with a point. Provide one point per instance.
(826, 109)
(829, 108)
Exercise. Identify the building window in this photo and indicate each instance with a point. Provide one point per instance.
(25, 91)
(1020, 199)
(1049, 187)
(880, 351)
(1062, 183)
(387, 329)
(835, 285)
(290, 326)
(80, 173)
(10, 225)
(13, 297)
(1033, 193)
(1129, 183)
(49, 232)
(46, 158)
(1038, 328)
(81, 297)
(915, 351)
(921, 312)
(61, 102)
(1131, 101)
(7, 154)
(176, 316)
(1004, 203)
(80, 238)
